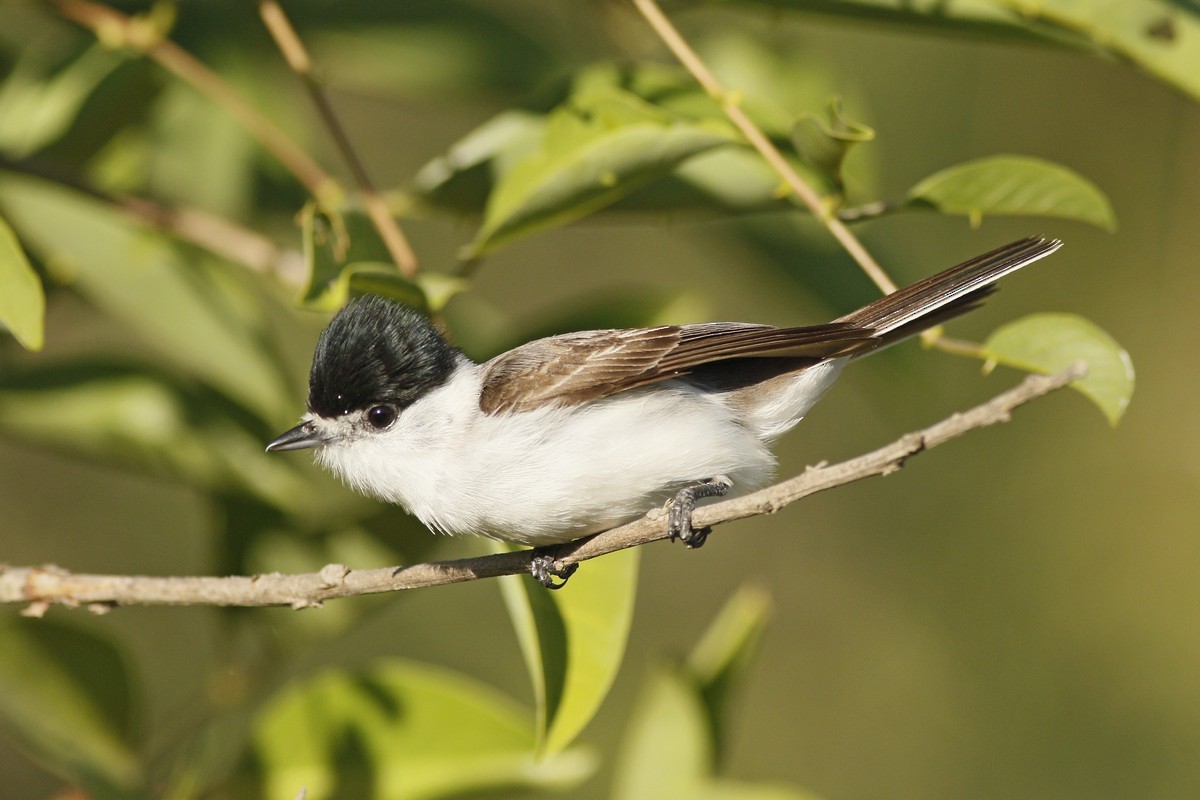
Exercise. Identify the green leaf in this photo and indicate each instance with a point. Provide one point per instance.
(597, 148)
(719, 660)
(345, 256)
(66, 695)
(135, 417)
(573, 641)
(1159, 36)
(35, 112)
(401, 730)
(197, 313)
(667, 754)
(463, 176)
(1050, 343)
(823, 143)
(22, 302)
(1015, 185)
(187, 131)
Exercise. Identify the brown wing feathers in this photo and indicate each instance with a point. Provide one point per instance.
(578, 367)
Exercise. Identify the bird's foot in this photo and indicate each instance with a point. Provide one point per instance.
(544, 570)
(679, 512)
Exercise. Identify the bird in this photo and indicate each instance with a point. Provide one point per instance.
(573, 434)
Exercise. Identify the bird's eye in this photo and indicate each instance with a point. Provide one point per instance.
(381, 417)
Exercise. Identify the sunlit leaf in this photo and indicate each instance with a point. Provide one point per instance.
(573, 641)
(600, 146)
(1015, 185)
(401, 730)
(66, 695)
(35, 111)
(1052, 342)
(22, 302)
(193, 311)
(774, 87)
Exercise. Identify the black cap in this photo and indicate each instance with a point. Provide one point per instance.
(376, 352)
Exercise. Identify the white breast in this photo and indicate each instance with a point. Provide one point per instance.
(555, 474)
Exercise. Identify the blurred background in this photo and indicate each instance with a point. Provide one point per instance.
(1011, 615)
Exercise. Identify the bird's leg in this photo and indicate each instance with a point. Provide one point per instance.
(679, 512)
(541, 566)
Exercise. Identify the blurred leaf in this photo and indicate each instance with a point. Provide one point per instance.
(573, 641)
(194, 313)
(1015, 185)
(598, 147)
(132, 416)
(401, 730)
(667, 754)
(186, 130)
(1051, 343)
(1159, 36)
(719, 660)
(465, 174)
(434, 50)
(66, 695)
(35, 111)
(22, 301)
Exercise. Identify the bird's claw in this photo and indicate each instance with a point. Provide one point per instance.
(679, 514)
(544, 570)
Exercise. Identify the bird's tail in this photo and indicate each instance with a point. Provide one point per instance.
(944, 296)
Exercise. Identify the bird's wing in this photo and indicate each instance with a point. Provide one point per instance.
(578, 367)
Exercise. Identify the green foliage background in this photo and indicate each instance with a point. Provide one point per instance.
(1013, 615)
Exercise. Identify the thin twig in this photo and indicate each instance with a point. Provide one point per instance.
(111, 26)
(221, 236)
(297, 58)
(42, 586)
(691, 61)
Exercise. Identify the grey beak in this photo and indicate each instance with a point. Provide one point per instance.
(298, 438)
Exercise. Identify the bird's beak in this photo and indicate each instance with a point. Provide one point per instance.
(298, 438)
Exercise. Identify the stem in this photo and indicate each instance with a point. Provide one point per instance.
(298, 60)
(111, 26)
(691, 61)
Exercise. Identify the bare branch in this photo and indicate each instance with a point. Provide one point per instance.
(297, 59)
(115, 28)
(729, 104)
(42, 586)
(221, 236)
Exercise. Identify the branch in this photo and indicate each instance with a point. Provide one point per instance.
(221, 236)
(729, 104)
(43, 586)
(115, 28)
(297, 58)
